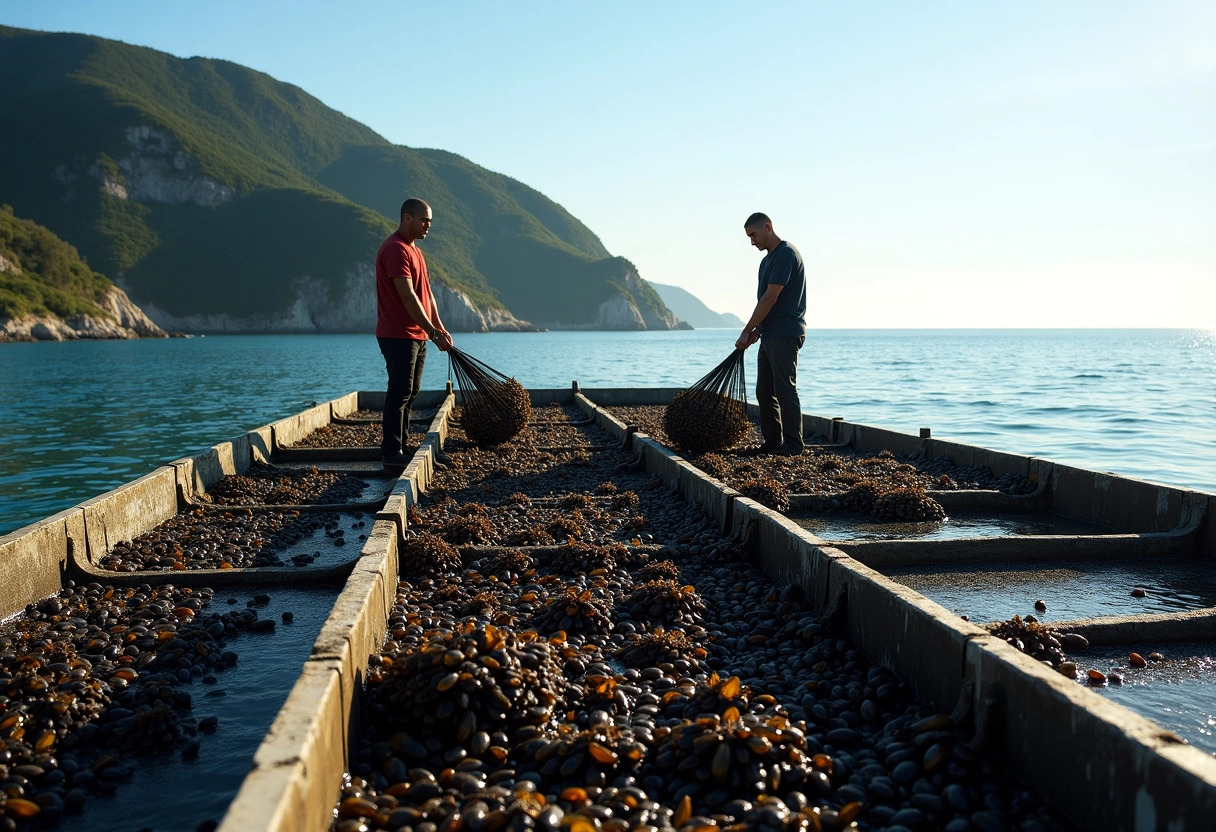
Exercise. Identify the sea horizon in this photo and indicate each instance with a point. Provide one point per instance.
(1139, 402)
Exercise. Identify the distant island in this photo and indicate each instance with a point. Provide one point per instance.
(689, 308)
(223, 200)
(47, 293)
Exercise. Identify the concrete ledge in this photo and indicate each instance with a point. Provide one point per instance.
(343, 406)
(198, 473)
(299, 765)
(602, 417)
(439, 425)
(296, 772)
(632, 396)
(659, 460)
(884, 553)
(921, 641)
(1119, 502)
(261, 444)
(1099, 763)
(791, 554)
(366, 453)
(289, 431)
(34, 559)
(128, 511)
(712, 495)
(356, 624)
(1195, 625)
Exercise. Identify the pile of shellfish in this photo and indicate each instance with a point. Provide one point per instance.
(658, 682)
(95, 676)
(264, 484)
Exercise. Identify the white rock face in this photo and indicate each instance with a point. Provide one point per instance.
(622, 312)
(460, 314)
(155, 170)
(8, 266)
(312, 307)
(128, 321)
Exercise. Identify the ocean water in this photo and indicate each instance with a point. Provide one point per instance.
(80, 418)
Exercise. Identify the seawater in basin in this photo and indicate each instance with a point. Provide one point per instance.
(1070, 588)
(1178, 693)
(168, 793)
(955, 526)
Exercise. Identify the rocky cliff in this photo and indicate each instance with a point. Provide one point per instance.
(314, 307)
(126, 320)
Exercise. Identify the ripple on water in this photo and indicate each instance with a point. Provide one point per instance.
(1071, 588)
(1178, 693)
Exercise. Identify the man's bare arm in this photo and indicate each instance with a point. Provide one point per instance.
(765, 305)
(436, 332)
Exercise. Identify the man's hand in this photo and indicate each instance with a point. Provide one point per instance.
(748, 338)
(442, 339)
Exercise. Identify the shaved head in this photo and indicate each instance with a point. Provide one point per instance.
(414, 207)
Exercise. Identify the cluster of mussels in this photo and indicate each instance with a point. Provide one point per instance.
(92, 678)
(658, 683)
(496, 414)
(200, 538)
(834, 473)
(1048, 645)
(264, 484)
(520, 520)
(344, 436)
(702, 421)
(650, 420)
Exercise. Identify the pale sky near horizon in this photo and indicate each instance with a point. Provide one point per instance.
(954, 164)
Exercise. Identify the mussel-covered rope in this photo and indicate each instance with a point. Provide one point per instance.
(712, 413)
(493, 407)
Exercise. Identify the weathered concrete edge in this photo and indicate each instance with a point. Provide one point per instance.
(35, 558)
(879, 553)
(128, 511)
(298, 767)
(1102, 764)
(1151, 629)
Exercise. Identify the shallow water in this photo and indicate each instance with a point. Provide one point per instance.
(83, 417)
(1071, 588)
(1178, 693)
(954, 527)
(253, 692)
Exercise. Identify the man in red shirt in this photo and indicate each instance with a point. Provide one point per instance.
(406, 318)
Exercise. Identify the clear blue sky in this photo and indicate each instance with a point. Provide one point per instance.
(938, 164)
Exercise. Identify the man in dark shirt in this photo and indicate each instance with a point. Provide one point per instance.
(779, 324)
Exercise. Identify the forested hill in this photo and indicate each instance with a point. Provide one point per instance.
(48, 293)
(222, 199)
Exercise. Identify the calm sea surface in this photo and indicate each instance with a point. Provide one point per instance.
(80, 418)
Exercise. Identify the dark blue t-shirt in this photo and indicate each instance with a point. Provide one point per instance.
(787, 318)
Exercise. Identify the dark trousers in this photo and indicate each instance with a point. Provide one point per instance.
(777, 392)
(403, 358)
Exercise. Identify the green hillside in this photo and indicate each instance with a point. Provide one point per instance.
(40, 274)
(208, 189)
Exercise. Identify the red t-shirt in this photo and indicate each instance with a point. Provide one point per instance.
(397, 258)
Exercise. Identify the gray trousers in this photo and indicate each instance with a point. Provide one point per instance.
(777, 392)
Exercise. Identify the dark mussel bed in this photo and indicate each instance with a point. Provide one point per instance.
(264, 484)
(649, 680)
(882, 486)
(112, 695)
(241, 537)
